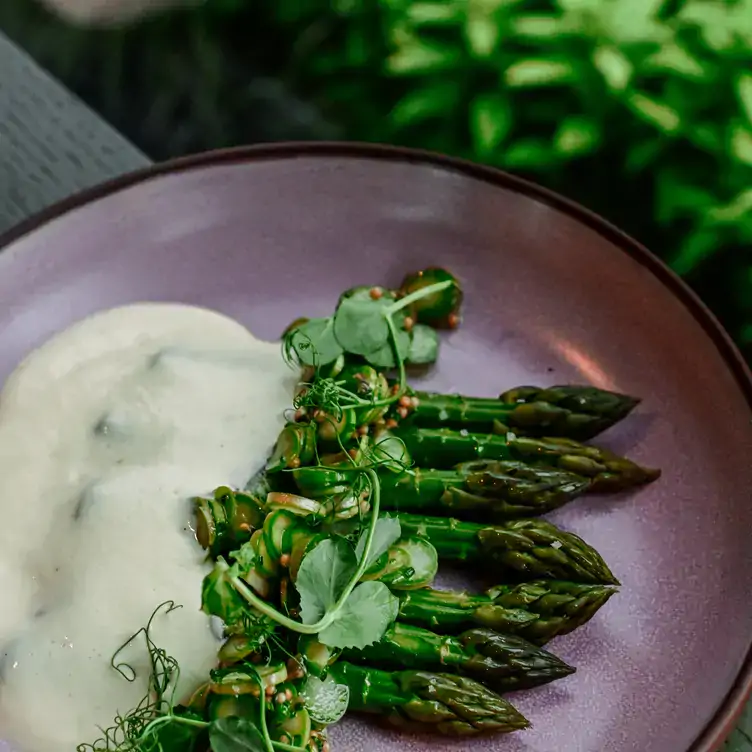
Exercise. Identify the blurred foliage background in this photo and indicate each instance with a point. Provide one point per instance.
(639, 109)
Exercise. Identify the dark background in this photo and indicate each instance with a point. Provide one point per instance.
(639, 109)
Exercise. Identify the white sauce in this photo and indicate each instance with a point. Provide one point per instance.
(106, 432)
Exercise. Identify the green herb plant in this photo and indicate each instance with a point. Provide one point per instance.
(158, 724)
(335, 605)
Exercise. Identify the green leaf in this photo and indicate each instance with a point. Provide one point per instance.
(384, 356)
(481, 31)
(675, 196)
(536, 27)
(175, 736)
(660, 115)
(435, 13)
(577, 135)
(418, 56)
(235, 735)
(744, 92)
(734, 211)
(741, 143)
(527, 153)
(326, 701)
(673, 58)
(642, 155)
(391, 452)
(245, 559)
(219, 598)
(387, 532)
(315, 343)
(538, 72)
(694, 250)
(707, 136)
(364, 618)
(634, 21)
(613, 66)
(424, 102)
(360, 326)
(716, 21)
(424, 346)
(490, 122)
(323, 576)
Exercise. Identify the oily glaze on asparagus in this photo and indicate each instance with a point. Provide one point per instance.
(529, 548)
(537, 611)
(502, 662)
(488, 489)
(444, 448)
(443, 703)
(576, 412)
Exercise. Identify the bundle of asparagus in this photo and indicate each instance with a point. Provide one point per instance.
(306, 565)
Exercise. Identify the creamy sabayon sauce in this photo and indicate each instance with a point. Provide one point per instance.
(106, 432)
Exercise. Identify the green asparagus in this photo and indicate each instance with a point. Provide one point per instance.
(227, 519)
(537, 611)
(495, 489)
(502, 662)
(561, 606)
(296, 446)
(529, 548)
(444, 448)
(447, 704)
(577, 412)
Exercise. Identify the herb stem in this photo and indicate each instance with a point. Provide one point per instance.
(400, 360)
(170, 718)
(268, 743)
(423, 292)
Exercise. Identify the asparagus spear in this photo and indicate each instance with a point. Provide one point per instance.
(532, 548)
(501, 489)
(561, 606)
(296, 446)
(537, 611)
(225, 520)
(502, 662)
(451, 705)
(578, 412)
(444, 448)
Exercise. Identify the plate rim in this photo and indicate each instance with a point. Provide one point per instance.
(723, 722)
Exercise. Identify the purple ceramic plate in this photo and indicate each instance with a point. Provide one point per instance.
(553, 295)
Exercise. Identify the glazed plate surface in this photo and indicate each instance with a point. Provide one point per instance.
(553, 295)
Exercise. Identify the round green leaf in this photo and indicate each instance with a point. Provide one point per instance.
(326, 701)
(323, 576)
(391, 452)
(424, 345)
(384, 356)
(386, 532)
(235, 735)
(363, 619)
(314, 342)
(360, 326)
